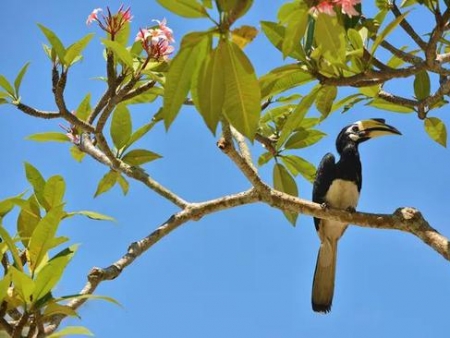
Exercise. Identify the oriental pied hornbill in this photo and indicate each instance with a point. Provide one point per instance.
(337, 185)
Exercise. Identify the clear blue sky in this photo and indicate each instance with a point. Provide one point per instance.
(244, 272)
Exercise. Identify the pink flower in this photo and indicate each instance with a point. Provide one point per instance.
(93, 16)
(156, 41)
(323, 7)
(348, 7)
(126, 14)
(166, 30)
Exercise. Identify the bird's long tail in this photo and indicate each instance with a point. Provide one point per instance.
(324, 275)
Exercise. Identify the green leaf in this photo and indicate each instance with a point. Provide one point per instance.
(6, 238)
(184, 8)
(386, 105)
(147, 97)
(77, 154)
(422, 85)
(325, 100)
(55, 42)
(18, 80)
(264, 158)
(139, 133)
(71, 330)
(304, 138)
(120, 51)
(344, 102)
(276, 34)
(182, 68)
(35, 178)
(139, 157)
(58, 309)
(296, 117)
(298, 165)
(330, 39)
(54, 191)
(283, 78)
(49, 137)
(87, 296)
(75, 49)
(5, 283)
(355, 39)
(92, 215)
(28, 219)
(43, 235)
(23, 284)
(84, 108)
(121, 126)
(208, 89)
(296, 22)
(284, 182)
(124, 34)
(50, 274)
(242, 100)
(124, 185)
(386, 31)
(106, 183)
(4, 83)
(436, 129)
(243, 35)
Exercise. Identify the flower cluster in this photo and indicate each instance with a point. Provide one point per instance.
(327, 7)
(156, 41)
(111, 23)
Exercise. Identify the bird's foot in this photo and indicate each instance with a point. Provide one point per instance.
(325, 206)
(351, 209)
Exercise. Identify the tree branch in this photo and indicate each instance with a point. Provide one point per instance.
(37, 113)
(408, 28)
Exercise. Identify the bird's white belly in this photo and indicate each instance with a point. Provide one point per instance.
(342, 195)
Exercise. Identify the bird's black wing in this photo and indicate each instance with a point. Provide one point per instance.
(324, 177)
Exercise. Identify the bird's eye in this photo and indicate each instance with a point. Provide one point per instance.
(355, 129)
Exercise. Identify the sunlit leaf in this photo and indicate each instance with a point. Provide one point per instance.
(184, 65)
(35, 178)
(4, 83)
(325, 99)
(6, 238)
(298, 165)
(283, 181)
(58, 309)
(55, 42)
(123, 183)
(29, 217)
(19, 78)
(74, 50)
(296, 22)
(242, 100)
(304, 138)
(264, 158)
(276, 34)
(23, 284)
(54, 190)
(92, 215)
(77, 154)
(243, 35)
(48, 137)
(184, 8)
(106, 183)
(84, 108)
(139, 157)
(436, 129)
(70, 331)
(121, 126)
(120, 51)
(330, 38)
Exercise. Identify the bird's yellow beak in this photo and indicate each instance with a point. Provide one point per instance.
(376, 127)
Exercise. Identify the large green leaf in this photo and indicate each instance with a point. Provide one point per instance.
(50, 274)
(298, 165)
(35, 178)
(208, 89)
(296, 21)
(436, 129)
(84, 108)
(194, 48)
(276, 33)
(43, 236)
(6, 238)
(19, 78)
(23, 284)
(304, 138)
(48, 137)
(29, 217)
(184, 8)
(283, 181)
(121, 126)
(55, 42)
(54, 190)
(242, 103)
(73, 52)
(107, 182)
(4, 83)
(283, 78)
(330, 39)
(139, 156)
(296, 117)
(120, 51)
(422, 85)
(70, 331)
(325, 100)
(53, 309)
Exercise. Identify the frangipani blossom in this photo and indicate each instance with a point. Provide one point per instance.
(111, 23)
(156, 41)
(328, 7)
(93, 16)
(348, 7)
(324, 7)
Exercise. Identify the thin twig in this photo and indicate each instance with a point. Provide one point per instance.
(408, 28)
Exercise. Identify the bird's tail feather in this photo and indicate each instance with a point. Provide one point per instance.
(324, 275)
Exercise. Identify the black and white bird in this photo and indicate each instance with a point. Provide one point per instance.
(337, 185)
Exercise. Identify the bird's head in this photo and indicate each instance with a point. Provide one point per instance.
(364, 130)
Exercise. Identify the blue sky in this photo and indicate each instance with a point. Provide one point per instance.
(244, 272)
